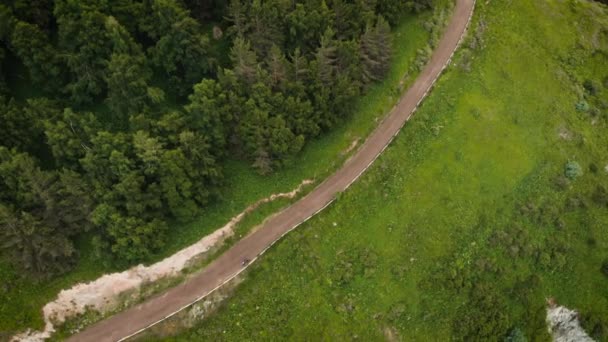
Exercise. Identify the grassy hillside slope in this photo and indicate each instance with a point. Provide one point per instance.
(492, 199)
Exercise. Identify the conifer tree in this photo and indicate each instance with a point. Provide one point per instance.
(375, 50)
(244, 60)
(326, 57)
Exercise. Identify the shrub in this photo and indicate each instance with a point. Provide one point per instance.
(561, 183)
(593, 168)
(600, 196)
(595, 326)
(582, 106)
(594, 112)
(604, 268)
(575, 202)
(591, 87)
(484, 318)
(573, 170)
(516, 335)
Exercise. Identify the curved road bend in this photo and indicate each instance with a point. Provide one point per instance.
(228, 265)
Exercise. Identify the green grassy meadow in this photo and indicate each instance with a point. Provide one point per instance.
(470, 219)
(21, 299)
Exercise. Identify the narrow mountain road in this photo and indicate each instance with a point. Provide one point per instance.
(136, 319)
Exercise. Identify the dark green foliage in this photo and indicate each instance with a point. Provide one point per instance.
(326, 58)
(181, 50)
(39, 212)
(604, 268)
(600, 196)
(375, 49)
(484, 318)
(3, 87)
(593, 168)
(39, 13)
(32, 47)
(141, 179)
(419, 5)
(68, 135)
(516, 335)
(572, 170)
(592, 87)
(142, 115)
(15, 128)
(582, 106)
(32, 246)
(390, 9)
(204, 10)
(127, 86)
(86, 47)
(22, 125)
(244, 60)
(265, 25)
(354, 263)
(350, 18)
(133, 239)
(264, 133)
(595, 325)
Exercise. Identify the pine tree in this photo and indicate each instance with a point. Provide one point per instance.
(326, 57)
(244, 60)
(375, 51)
(69, 136)
(128, 91)
(86, 47)
(237, 15)
(277, 66)
(31, 45)
(265, 26)
(39, 212)
(183, 53)
(299, 66)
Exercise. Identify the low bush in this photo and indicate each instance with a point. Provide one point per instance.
(600, 196)
(591, 87)
(604, 268)
(573, 170)
(516, 335)
(484, 319)
(582, 106)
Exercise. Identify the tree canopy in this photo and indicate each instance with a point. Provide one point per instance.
(132, 107)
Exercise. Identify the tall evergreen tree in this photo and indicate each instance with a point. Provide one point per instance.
(69, 136)
(237, 15)
(375, 51)
(31, 45)
(86, 46)
(326, 58)
(244, 60)
(181, 48)
(277, 67)
(39, 212)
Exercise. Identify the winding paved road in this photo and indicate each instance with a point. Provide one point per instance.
(136, 319)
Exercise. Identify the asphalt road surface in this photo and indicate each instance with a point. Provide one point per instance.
(133, 320)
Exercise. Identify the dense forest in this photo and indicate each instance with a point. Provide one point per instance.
(129, 108)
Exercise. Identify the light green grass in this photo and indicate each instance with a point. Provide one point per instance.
(413, 248)
(21, 299)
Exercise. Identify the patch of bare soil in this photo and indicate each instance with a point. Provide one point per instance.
(351, 147)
